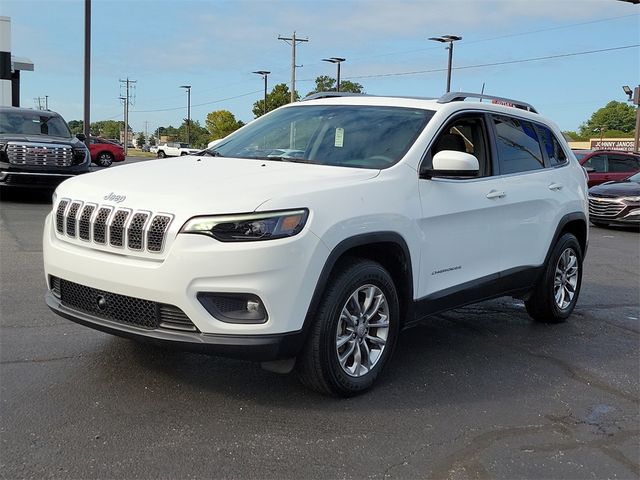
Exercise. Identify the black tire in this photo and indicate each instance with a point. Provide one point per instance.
(182, 154)
(161, 154)
(543, 306)
(104, 159)
(318, 365)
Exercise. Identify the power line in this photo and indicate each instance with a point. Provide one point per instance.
(509, 35)
(199, 104)
(494, 64)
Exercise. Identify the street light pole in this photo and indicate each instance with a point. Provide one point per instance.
(338, 61)
(449, 39)
(188, 88)
(634, 97)
(264, 74)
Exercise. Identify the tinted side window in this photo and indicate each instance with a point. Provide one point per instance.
(623, 163)
(552, 147)
(518, 147)
(597, 162)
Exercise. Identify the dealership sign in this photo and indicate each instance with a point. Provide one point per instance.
(623, 144)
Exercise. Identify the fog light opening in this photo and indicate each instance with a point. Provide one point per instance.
(234, 307)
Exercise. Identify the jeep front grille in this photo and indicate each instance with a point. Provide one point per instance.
(40, 154)
(604, 207)
(112, 226)
(121, 308)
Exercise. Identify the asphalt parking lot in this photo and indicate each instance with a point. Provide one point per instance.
(480, 392)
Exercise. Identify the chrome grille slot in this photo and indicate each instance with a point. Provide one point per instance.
(156, 233)
(72, 218)
(603, 207)
(100, 225)
(116, 229)
(136, 231)
(112, 227)
(40, 154)
(175, 319)
(84, 224)
(62, 207)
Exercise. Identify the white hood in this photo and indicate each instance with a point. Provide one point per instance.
(188, 186)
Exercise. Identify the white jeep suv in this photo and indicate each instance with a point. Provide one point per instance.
(380, 212)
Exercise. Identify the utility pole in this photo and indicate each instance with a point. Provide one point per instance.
(188, 89)
(127, 100)
(46, 102)
(293, 41)
(86, 117)
(146, 130)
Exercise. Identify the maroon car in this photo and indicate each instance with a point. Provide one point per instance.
(608, 165)
(104, 152)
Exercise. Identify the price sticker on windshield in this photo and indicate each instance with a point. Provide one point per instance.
(339, 140)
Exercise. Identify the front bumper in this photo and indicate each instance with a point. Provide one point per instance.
(281, 273)
(259, 348)
(32, 179)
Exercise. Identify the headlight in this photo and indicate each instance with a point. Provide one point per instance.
(249, 227)
(54, 197)
(630, 199)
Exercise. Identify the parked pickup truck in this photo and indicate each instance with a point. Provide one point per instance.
(175, 149)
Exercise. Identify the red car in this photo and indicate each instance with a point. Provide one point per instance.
(607, 165)
(104, 152)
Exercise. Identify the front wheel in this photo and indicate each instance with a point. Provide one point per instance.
(354, 330)
(556, 294)
(161, 154)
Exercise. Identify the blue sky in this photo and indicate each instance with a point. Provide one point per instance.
(215, 45)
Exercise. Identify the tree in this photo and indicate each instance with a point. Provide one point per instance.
(140, 141)
(279, 96)
(108, 128)
(325, 83)
(221, 123)
(198, 135)
(613, 116)
(76, 126)
(152, 140)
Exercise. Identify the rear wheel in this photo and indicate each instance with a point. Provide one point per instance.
(555, 296)
(104, 159)
(354, 330)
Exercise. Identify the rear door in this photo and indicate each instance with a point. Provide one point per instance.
(622, 166)
(533, 194)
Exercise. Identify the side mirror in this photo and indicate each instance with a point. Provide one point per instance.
(589, 169)
(81, 137)
(450, 163)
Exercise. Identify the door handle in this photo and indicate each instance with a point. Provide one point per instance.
(496, 194)
(555, 186)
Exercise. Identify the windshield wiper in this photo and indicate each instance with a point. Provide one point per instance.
(284, 159)
(209, 153)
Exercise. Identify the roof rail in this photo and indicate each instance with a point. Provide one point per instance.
(461, 96)
(316, 96)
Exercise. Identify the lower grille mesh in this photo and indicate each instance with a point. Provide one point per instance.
(122, 308)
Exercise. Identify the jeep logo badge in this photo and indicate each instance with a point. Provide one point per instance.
(115, 198)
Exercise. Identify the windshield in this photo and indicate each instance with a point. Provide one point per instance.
(342, 135)
(33, 123)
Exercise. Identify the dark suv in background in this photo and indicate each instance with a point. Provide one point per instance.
(37, 149)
